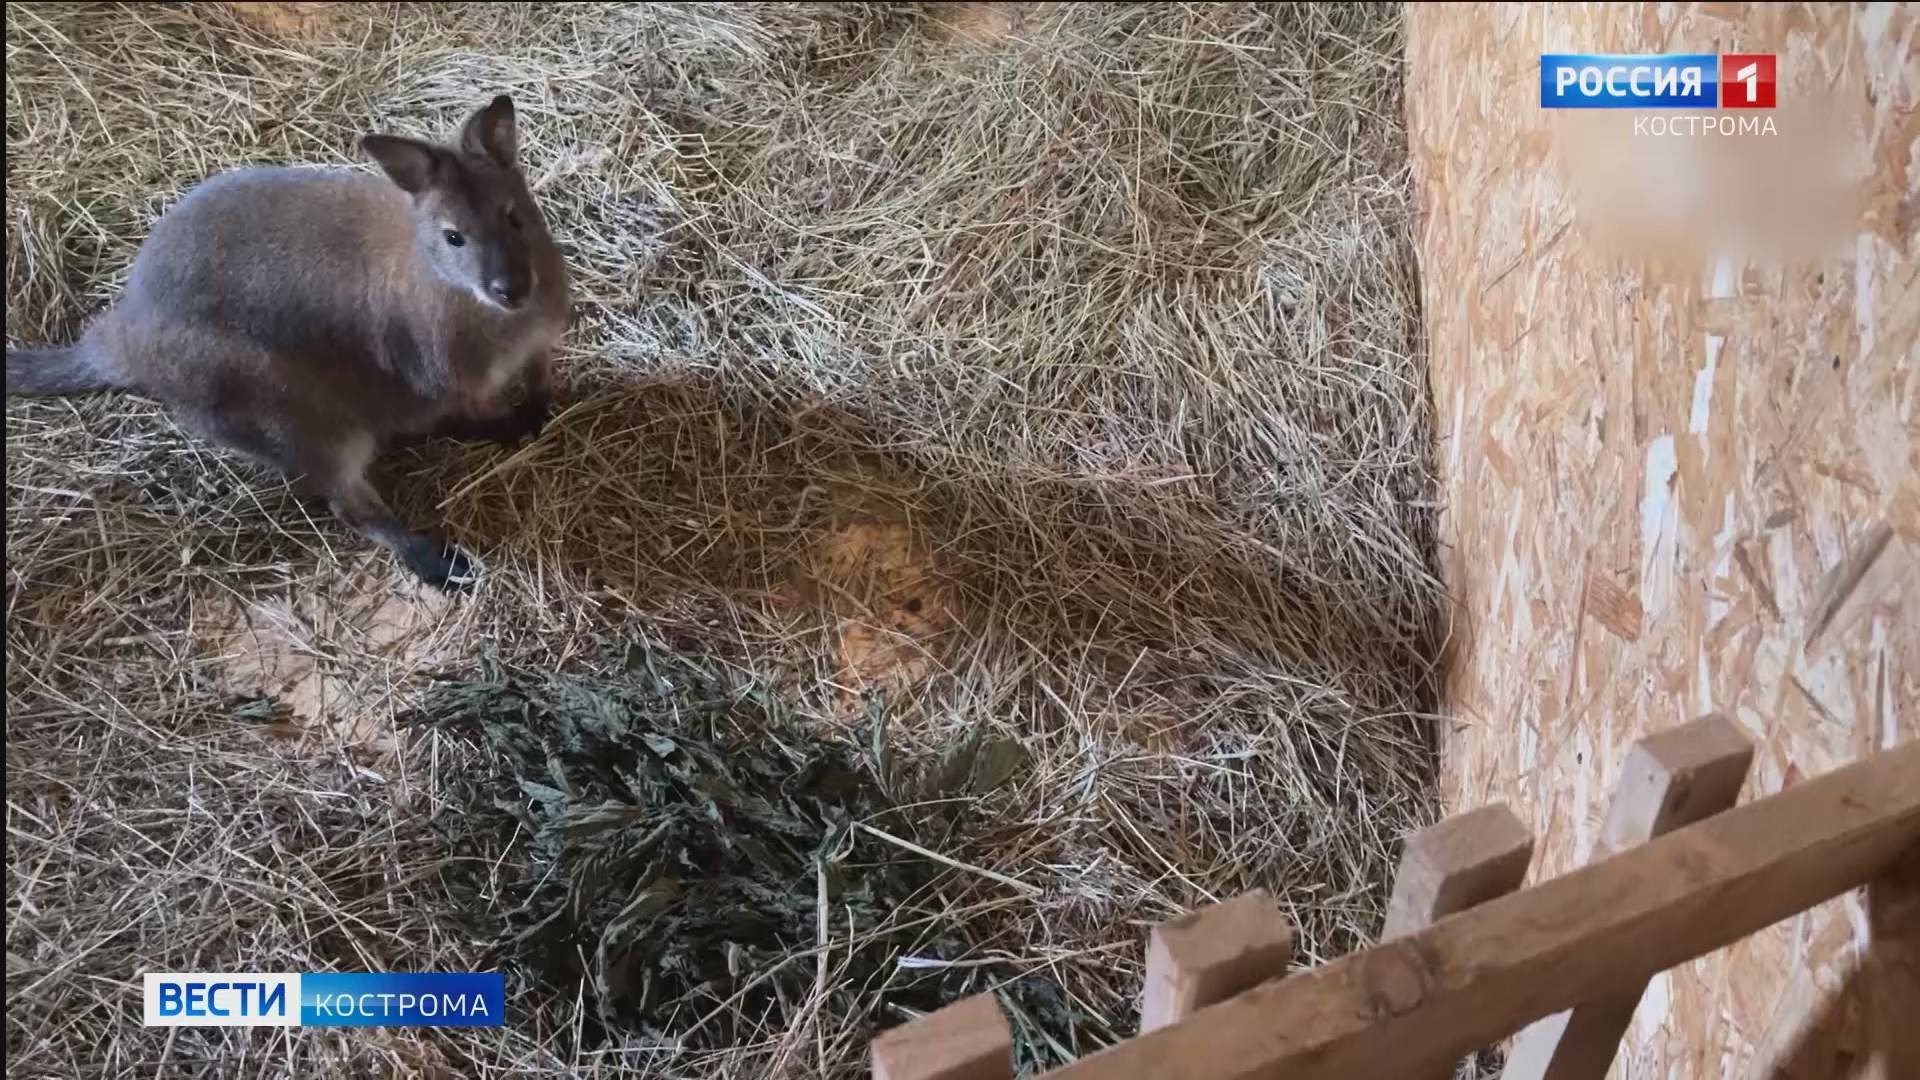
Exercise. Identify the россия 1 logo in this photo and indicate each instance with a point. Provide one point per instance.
(1666, 81)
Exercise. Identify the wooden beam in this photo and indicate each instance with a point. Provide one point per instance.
(1670, 780)
(1459, 863)
(1475, 977)
(1448, 867)
(967, 1040)
(1211, 955)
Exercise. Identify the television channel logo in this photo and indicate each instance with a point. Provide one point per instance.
(1664, 81)
(324, 999)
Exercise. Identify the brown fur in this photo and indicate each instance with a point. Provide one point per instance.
(315, 318)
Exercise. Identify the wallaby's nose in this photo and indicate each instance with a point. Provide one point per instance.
(509, 291)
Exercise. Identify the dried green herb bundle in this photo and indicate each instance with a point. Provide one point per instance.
(690, 848)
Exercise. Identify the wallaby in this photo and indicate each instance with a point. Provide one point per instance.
(313, 318)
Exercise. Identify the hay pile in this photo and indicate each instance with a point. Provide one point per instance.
(1018, 371)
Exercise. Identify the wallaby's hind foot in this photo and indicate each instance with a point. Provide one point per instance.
(438, 563)
(335, 466)
(432, 560)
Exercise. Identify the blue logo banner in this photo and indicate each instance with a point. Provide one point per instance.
(1613, 81)
(374, 999)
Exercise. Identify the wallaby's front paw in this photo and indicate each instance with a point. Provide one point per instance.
(530, 417)
(524, 421)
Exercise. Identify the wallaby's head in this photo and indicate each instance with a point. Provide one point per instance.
(475, 224)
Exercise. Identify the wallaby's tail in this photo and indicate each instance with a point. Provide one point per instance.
(54, 370)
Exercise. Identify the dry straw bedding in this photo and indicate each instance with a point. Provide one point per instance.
(1038, 375)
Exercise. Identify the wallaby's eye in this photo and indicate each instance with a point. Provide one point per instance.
(455, 239)
(513, 217)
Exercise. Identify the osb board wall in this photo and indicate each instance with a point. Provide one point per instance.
(1676, 381)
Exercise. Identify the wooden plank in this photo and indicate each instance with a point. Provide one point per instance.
(1670, 780)
(967, 1040)
(1461, 862)
(1211, 955)
(1457, 864)
(1475, 977)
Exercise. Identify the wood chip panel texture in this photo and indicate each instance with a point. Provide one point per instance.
(1681, 475)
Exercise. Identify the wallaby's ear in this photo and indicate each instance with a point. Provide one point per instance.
(407, 162)
(490, 133)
